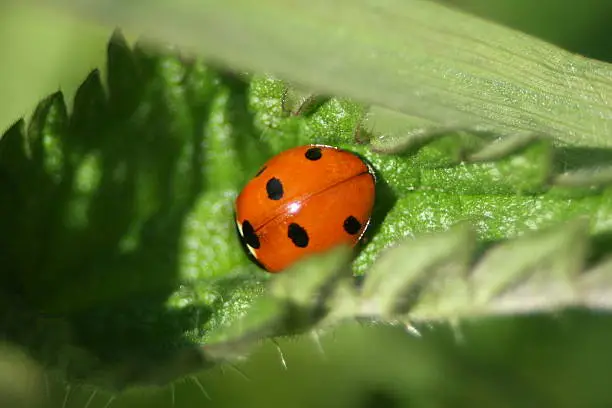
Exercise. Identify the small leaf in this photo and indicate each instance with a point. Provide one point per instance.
(524, 168)
(425, 276)
(123, 78)
(595, 287)
(89, 116)
(266, 101)
(293, 301)
(45, 131)
(306, 283)
(13, 153)
(535, 272)
(502, 148)
(235, 340)
(589, 178)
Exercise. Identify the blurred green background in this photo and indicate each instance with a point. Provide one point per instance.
(561, 360)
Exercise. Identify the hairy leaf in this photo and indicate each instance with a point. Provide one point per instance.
(440, 66)
(122, 266)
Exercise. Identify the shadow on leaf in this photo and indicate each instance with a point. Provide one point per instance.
(93, 207)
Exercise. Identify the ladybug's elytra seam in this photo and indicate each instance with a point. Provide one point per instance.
(285, 220)
(281, 210)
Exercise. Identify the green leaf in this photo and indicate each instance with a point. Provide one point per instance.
(440, 66)
(540, 275)
(295, 301)
(123, 265)
(434, 278)
(595, 286)
(426, 276)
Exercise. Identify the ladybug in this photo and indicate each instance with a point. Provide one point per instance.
(304, 200)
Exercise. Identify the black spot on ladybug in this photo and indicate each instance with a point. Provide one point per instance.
(352, 225)
(274, 188)
(260, 171)
(298, 235)
(314, 153)
(249, 236)
(248, 251)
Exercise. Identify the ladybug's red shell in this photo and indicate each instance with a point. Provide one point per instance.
(305, 200)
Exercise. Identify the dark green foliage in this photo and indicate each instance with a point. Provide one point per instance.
(119, 259)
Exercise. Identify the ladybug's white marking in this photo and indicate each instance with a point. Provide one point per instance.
(239, 225)
(251, 249)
